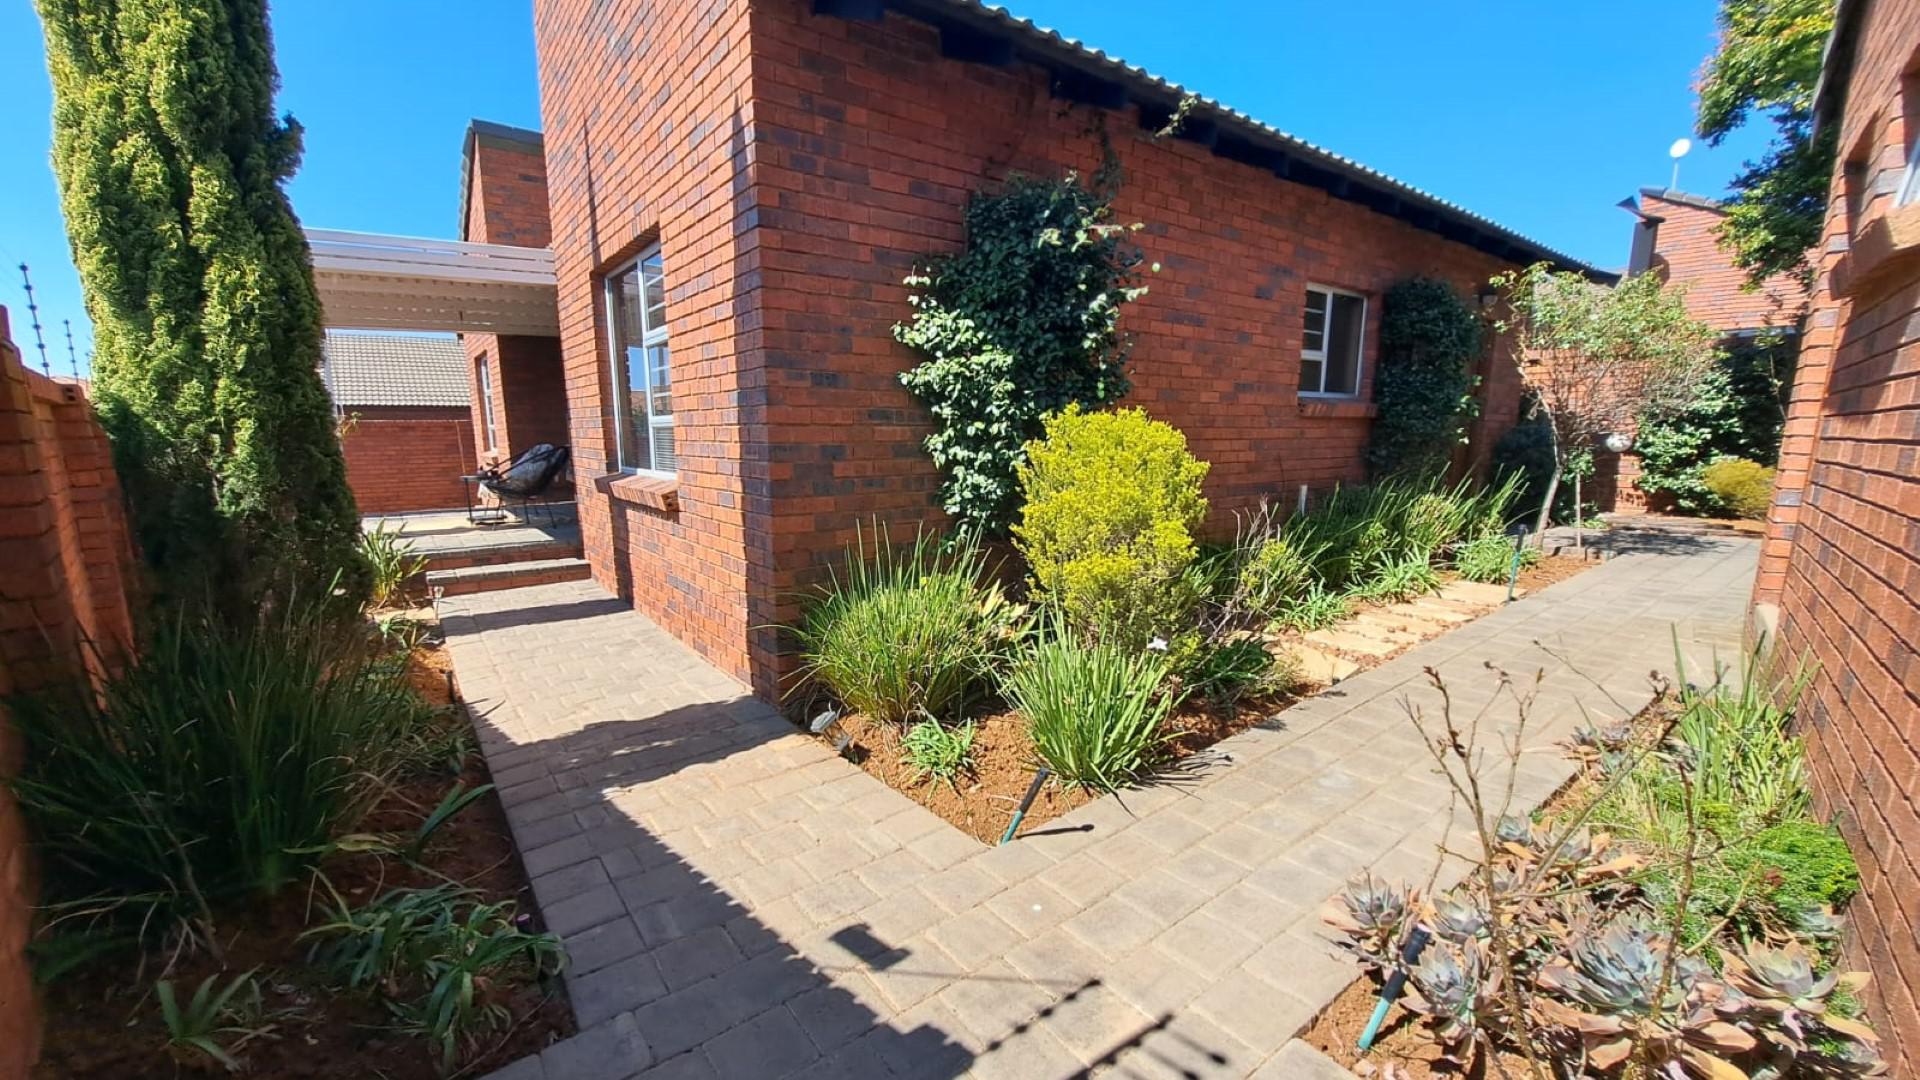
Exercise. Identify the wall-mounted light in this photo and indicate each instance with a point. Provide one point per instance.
(1488, 296)
(1619, 443)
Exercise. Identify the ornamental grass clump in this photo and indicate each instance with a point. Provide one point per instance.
(1097, 712)
(906, 631)
(212, 769)
(1112, 500)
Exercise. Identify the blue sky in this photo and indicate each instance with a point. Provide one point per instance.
(1539, 116)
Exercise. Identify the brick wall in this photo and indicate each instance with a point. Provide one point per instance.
(791, 195)
(406, 458)
(506, 203)
(646, 109)
(871, 144)
(65, 561)
(1687, 250)
(1841, 568)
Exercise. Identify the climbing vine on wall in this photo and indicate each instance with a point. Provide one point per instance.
(1429, 337)
(1017, 325)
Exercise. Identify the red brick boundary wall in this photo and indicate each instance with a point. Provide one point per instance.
(1840, 573)
(65, 566)
(403, 458)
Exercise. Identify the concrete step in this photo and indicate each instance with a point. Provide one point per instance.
(531, 545)
(507, 575)
(1476, 593)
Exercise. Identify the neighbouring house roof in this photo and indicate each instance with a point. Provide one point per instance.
(971, 30)
(394, 369)
(1684, 199)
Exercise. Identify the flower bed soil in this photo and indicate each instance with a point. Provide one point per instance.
(102, 1023)
(982, 801)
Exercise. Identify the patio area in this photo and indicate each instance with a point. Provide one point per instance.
(736, 900)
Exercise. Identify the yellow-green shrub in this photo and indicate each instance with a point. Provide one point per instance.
(1745, 488)
(1112, 499)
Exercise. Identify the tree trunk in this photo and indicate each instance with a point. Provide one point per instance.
(1545, 517)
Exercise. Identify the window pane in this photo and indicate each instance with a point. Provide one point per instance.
(1310, 376)
(660, 384)
(653, 274)
(1344, 329)
(633, 411)
(642, 377)
(1316, 322)
(664, 457)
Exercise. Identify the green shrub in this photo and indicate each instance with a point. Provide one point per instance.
(1745, 488)
(1738, 411)
(1358, 534)
(1400, 581)
(937, 752)
(1096, 712)
(391, 560)
(1111, 503)
(1019, 324)
(906, 631)
(1228, 672)
(1422, 385)
(1313, 609)
(1490, 558)
(1804, 866)
(435, 957)
(214, 766)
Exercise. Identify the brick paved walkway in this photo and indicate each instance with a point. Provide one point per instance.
(737, 901)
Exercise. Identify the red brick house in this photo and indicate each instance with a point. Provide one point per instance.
(1840, 573)
(737, 190)
(405, 423)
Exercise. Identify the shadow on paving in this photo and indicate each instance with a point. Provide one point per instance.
(671, 975)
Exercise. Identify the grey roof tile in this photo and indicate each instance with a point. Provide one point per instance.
(394, 369)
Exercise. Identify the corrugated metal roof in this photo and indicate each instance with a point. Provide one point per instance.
(394, 369)
(1049, 45)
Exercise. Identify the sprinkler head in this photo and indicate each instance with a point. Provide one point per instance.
(824, 721)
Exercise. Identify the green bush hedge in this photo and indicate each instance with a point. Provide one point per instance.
(1744, 488)
(1112, 499)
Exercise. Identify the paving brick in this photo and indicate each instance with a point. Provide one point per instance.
(614, 1050)
(1298, 1060)
(974, 938)
(614, 988)
(705, 953)
(771, 1044)
(596, 947)
(1253, 1012)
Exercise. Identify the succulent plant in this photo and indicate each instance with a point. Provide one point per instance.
(1372, 914)
(1513, 830)
(1453, 986)
(1781, 985)
(1612, 980)
(1456, 916)
(1821, 925)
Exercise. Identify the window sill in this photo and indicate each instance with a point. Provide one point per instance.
(655, 492)
(1336, 408)
(1879, 253)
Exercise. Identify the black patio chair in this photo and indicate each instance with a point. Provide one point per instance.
(528, 476)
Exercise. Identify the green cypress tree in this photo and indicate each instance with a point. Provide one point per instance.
(199, 282)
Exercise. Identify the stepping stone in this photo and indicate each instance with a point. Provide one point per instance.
(1373, 625)
(1322, 668)
(1477, 593)
(1433, 609)
(1349, 641)
(1399, 622)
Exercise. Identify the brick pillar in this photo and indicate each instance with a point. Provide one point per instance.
(1798, 440)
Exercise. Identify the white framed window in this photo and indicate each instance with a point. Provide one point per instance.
(1331, 347)
(642, 367)
(483, 379)
(1910, 183)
